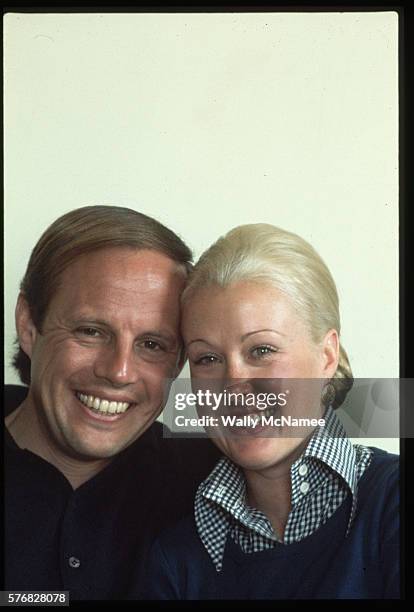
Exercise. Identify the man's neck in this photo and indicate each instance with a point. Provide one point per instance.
(28, 432)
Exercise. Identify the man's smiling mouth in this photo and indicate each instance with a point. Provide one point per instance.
(102, 406)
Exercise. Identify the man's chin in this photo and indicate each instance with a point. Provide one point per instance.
(94, 446)
(93, 452)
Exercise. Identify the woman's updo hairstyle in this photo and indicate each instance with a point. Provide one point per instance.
(267, 254)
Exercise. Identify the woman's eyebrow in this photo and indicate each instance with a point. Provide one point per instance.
(256, 331)
(197, 340)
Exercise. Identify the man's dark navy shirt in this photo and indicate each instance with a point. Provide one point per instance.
(94, 541)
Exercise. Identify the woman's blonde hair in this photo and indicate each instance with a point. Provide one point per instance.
(265, 253)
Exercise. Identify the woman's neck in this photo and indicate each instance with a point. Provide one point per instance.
(271, 494)
(270, 489)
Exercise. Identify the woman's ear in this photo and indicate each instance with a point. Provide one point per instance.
(26, 329)
(330, 347)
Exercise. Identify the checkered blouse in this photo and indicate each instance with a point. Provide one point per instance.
(327, 471)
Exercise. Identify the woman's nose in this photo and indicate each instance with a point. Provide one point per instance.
(238, 375)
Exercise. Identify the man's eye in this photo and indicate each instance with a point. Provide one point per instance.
(152, 345)
(263, 351)
(91, 332)
(206, 360)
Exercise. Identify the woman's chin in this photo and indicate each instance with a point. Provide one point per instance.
(249, 452)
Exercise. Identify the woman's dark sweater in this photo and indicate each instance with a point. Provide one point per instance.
(365, 564)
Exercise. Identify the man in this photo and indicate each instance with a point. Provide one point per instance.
(89, 480)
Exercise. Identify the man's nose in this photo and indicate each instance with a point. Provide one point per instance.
(117, 364)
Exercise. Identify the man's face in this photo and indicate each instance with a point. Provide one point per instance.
(109, 341)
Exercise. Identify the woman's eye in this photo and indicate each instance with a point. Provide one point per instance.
(206, 360)
(263, 351)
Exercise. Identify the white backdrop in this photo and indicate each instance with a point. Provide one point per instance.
(206, 121)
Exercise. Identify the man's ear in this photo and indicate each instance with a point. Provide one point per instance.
(330, 346)
(26, 329)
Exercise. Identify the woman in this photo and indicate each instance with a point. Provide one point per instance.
(279, 517)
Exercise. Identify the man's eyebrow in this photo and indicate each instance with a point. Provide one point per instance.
(88, 320)
(162, 334)
(257, 331)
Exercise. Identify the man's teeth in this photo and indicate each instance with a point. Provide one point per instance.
(102, 405)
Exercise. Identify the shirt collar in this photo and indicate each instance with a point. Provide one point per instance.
(221, 497)
(225, 485)
(331, 446)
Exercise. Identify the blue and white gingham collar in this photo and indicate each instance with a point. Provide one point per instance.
(219, 500)
(332, 446)
(221, 497)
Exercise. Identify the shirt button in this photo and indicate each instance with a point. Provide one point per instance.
(303, 469)
(74, 562)
(304, 487)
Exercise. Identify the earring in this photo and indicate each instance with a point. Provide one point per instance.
(328, 394)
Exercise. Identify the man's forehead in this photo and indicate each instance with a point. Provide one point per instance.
(140, 260)
(123, 277)
(123, 267)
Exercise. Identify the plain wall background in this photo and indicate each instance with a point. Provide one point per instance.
(207, 121)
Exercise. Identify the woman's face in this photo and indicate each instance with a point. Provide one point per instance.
(244, 333)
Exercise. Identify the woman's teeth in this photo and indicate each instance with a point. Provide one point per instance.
(269, 412)
(101, 405)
